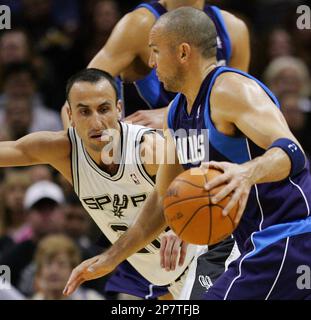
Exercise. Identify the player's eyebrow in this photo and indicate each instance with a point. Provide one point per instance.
(151, 45)
(106, 103)
(81, 105)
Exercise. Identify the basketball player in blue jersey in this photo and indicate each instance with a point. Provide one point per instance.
(111, 192)
(246, 137)
(126, 54)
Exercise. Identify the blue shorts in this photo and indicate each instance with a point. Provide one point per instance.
(272, 268)
(127, 280)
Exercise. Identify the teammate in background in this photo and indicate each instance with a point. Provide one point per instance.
(111, 192)
(126, 54)
(263, 166)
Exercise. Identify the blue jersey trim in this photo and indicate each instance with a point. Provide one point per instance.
(149, 88)
(263, 239)
(225, 35)
(234, 149)
(150, 8)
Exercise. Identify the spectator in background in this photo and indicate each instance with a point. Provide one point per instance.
(103, 16)
(55, 257)
(45, 216)
(53, 40)
(21, 105)
(40, 172)
(77, 226)
(298, 120)
(13, 226)
(288, 74)
(279, 44)
(16, 47)
(15, 119)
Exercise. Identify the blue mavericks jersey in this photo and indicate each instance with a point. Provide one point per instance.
(149, 88)
(197, 139)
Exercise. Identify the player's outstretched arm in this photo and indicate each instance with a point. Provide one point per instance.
(246, 106)
(35, 148)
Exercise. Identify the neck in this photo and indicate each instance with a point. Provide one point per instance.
(171, 6)
(194, 81)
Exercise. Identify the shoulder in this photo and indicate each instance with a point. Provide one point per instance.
(233, 22)
(231, 84)
(132, 31)
(234, 94)
(230, 88)
(140, 20)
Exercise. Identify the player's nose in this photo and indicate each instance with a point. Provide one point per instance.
(97, 122)
(151, 62)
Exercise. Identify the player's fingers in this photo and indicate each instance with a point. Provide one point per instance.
(214, 165)
(140, 114)
(167, 254)
(174, 253)
(78, 271)
(72, 286)
(143, 122)
(242, 205)
(162, 251)
(134, 118)
(224, 192)
(75, 274)
(183, 252)
(133, 115)
(233, 201)
(221, 179)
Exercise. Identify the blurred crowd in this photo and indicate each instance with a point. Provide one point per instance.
(44, 231)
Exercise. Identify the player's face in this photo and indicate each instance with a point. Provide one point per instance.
(164, 59)
(54, 273)
(93, 111)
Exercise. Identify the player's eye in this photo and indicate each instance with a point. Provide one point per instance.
(85, 112)
(103, 109)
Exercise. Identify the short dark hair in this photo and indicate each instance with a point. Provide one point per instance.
(91, 75)
(193, 26)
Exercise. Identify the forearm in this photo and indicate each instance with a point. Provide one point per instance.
(147, 226)
(274, 165)
(12, 156)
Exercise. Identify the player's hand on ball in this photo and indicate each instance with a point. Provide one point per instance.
(172, 247)
(238, 182)
(89, 269)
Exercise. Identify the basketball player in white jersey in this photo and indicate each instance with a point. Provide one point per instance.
(112, 193)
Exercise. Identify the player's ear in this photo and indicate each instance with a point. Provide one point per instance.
(184, 52)
(119, 107)
(69, 113)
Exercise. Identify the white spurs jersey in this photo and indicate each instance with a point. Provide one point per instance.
(114, 201)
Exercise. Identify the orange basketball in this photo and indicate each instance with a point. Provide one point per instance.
(189, 212)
